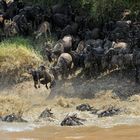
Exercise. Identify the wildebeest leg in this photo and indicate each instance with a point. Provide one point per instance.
(38, 80)
(121, 72)
(63, 76)
(35, 83)
(91, 71)
(38, 35)
(52, 84)
(72, 72)
(49, 31)
(65, 70)
(94, 70)
(34, 24)
(45, 35)
(47, 86)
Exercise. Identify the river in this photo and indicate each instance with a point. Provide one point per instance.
(123, 132)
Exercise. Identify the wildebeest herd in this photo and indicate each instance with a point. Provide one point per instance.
(95, 49)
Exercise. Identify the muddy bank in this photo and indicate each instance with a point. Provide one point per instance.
(122, 87)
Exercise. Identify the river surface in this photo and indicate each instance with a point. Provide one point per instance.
(123, 132)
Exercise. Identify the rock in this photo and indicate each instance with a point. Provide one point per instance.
(72, 120)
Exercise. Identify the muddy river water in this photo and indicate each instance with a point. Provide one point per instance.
(71, 133)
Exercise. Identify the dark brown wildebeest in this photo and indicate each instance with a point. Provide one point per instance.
(72, 120)
(60, 20)
(70, 30)
(113, 60)
(42, 76)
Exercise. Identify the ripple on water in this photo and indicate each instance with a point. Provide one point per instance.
(17, 127)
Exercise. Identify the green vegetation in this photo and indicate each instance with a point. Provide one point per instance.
(16, 55)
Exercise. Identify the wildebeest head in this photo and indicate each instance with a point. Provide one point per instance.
(110, 52)
(58, 48)
(10, 28)
(30, 70)
(41, 68)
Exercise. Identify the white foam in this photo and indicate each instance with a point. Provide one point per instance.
(17, 127)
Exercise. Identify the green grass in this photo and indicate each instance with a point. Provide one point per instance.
(16, 55)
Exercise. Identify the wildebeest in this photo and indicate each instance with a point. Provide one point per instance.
(10, 28)
(78, 60)
(65, 9)
(63, 46)
(58, 49)
(3, 5)
(84, 107)
(60, 20)
(46, 114)
(123, 24)
(48, 52)
(13, 118)
(34, 15)
(121, 47)
(43, 29)
(67, 42)
(93, 60)
(24, 26)
(113, 60)
(72, 120)
(80, 47)
(70, 30)
(42, 76)
(63, 66)
(109, 112)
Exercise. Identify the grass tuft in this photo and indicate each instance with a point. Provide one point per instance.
(16, 55)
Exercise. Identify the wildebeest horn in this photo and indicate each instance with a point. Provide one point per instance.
(111, 49)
